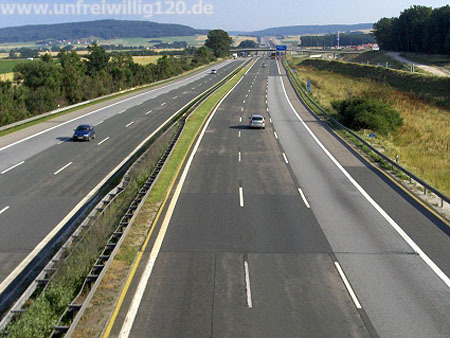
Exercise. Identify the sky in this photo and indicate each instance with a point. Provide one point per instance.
(230, 15)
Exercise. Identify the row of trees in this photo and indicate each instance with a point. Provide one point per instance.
(329, 40)
(417, 29)
(48, 83)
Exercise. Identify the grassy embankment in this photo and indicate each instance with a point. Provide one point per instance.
(423, 143)
(94, 320)
(376, 58)
(442, 61)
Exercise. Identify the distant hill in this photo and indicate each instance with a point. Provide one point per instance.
(104, 29)
(307, 29)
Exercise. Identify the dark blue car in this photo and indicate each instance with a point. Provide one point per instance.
(84, 132)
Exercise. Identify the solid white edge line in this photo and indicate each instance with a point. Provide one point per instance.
(65, 167)
(101, 142)
(8, 280)
(137, 298)
(13, 167)
(97, 110)
(247, 285)
(304, 198)
(241, 197)
(4, 209)
(285, 158)
(129, 124)
(275, 134)
(348, 286)
(383, 213)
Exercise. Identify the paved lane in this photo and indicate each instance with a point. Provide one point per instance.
(56, 173)
(243, 255)
(401, 294)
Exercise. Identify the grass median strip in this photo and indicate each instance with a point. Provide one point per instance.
(96, 317)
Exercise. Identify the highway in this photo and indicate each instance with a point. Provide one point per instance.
(286, 232)
(45, 176)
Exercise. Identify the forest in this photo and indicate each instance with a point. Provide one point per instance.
(418, 29)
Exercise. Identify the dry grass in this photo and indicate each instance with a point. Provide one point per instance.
(7, 77)
(423, 143)
(145, 60)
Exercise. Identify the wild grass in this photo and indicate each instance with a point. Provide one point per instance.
(423, 143)
(433, 89)
(145, 60)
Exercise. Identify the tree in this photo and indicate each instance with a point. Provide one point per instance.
(28, 53)
(73, 76)
(203, 55)
(248, 44)
(97, 59)
(220, 42)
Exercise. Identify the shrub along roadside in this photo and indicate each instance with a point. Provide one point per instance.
(360, 113)
(92, 323)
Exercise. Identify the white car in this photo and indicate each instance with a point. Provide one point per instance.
(257, 121)
(213, 71)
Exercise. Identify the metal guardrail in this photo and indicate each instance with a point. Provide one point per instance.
(100, 267)
(305, 97)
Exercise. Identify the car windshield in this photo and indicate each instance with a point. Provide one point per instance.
(83, 128)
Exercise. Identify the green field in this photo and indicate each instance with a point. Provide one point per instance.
(7, 66)
(135, 42)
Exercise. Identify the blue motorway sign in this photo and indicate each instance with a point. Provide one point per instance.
(281, 48)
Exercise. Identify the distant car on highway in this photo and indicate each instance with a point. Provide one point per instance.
(213, 71)
(84, 132)
(257, 121)
(264, 65)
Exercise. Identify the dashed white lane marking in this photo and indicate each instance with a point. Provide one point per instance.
(240, 119)
(242, 108)
(239, 134)
(99, 123)
(61, 142)
(270, 119)
(247, 285)
(267, 108)
(65, 167)
(163, 104)
(147, 113)
(106, 139)
(137, 297)
(129, 124)
(239, 157)
(246, 95)
(121, 112)
(4, 209)
(193, 88)
(300, 191)
(13, 167)
(241, 197)
(175, 97)
(285, 158)
(348, 286)
(364, 193)
(275, 134)
(243, 102)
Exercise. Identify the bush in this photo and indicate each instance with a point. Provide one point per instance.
(359, 113)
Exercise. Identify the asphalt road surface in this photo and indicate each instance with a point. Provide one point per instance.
(45, 175)
(273, 236)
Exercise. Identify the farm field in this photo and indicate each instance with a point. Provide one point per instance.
(145, 60)
(7, 66)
